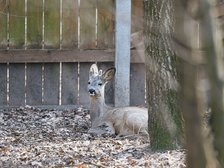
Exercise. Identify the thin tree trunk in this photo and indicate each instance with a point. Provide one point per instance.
(194, 41)
(215, 57)
(165, 121)
(187, 44)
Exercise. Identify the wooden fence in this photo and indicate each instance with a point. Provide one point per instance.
(47, 47)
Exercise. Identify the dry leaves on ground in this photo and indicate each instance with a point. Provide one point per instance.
(33, 137)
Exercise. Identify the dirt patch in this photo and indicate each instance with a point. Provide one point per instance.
(33, 137)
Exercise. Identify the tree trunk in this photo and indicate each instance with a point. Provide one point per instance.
(165, 121)
(215, 58)
(187, 44)
(194, 42)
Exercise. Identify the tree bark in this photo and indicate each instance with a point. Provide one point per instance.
(165, 120)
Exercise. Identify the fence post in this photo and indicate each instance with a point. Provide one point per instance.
(122, 53)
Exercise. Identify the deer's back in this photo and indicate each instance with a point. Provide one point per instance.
(129, 120)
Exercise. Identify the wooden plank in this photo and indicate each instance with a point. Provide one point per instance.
(52, 24)
(16, 84)
(3, 84)
(83, 82)
(55, 56)
(105, 27)
(51, 83)
(34, 24)
(88, 24)
(69, 84)
(122, 53)
(137, 16)
(3, 22)
(16, 24)
(70, 24)
(137, 85)
(34, 84)
(39, 56)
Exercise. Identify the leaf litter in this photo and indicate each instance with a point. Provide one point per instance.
(35, 137)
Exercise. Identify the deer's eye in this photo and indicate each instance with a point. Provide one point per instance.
(100, 84)
(88, 83)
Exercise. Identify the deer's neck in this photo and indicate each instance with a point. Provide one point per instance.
(98, 108)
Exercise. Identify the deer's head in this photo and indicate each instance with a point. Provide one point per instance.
(98, 80)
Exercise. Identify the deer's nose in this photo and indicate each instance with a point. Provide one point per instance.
(92, 91)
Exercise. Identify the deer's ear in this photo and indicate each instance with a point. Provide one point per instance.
(93, 70)
(109, 74)
(100, 72)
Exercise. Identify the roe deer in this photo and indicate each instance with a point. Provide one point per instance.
(112, 120)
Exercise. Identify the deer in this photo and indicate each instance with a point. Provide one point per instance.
(121, 121)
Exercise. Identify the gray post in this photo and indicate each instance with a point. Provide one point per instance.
(122, 52)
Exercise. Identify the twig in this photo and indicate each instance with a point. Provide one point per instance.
(94, 164)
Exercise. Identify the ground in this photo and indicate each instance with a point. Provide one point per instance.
(33, 137)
